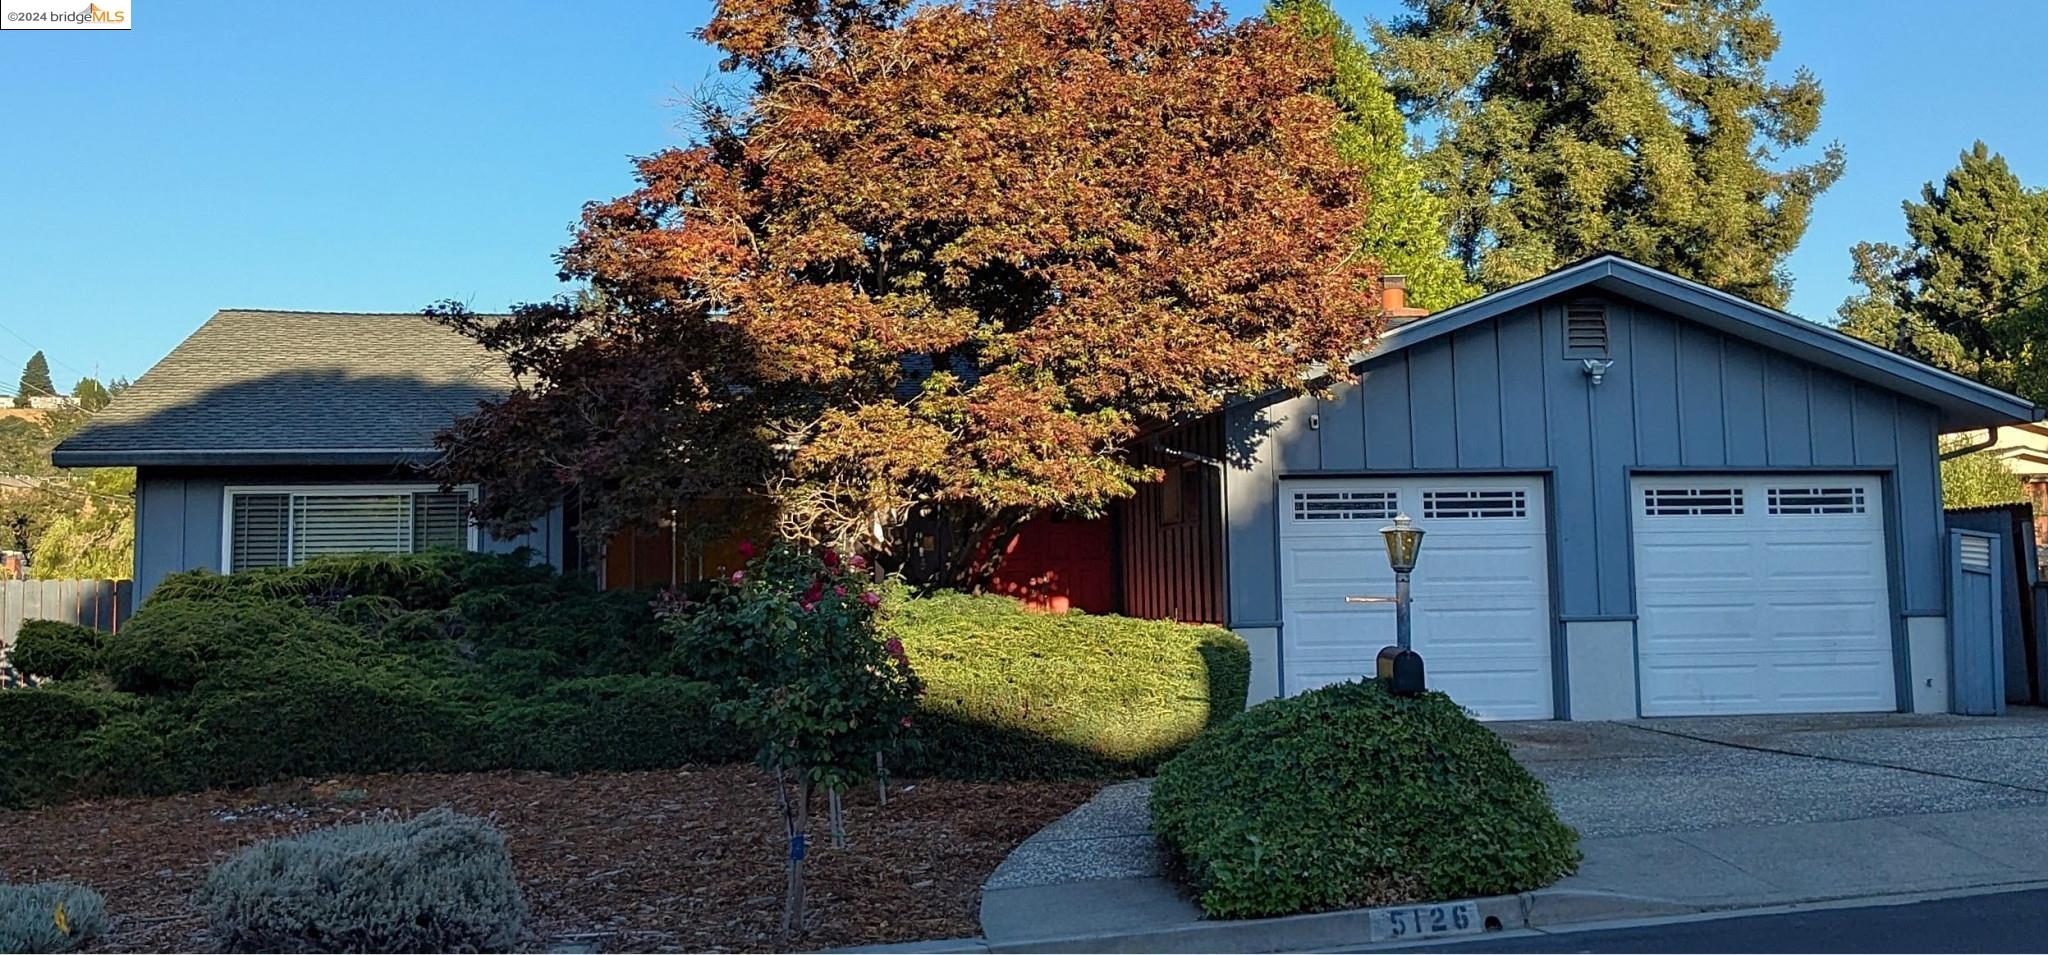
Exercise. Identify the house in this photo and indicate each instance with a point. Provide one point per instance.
(269, 437)
(1642, 496)
(2023, 447)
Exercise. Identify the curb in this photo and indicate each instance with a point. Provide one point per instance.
(1323, 930)
(1540, 911)
(1319, 930)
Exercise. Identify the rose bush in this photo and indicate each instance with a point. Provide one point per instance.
(792, 640)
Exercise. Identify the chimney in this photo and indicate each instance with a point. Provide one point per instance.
(1394, 301)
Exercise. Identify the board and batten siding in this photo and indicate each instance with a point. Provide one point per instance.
(178, 515)
(1500, 396)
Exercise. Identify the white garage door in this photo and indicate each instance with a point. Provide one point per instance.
(1481, 589)
(1762, 594)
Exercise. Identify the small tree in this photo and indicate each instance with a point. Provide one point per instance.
(792, 640)
(1977, 479)
(90, 394)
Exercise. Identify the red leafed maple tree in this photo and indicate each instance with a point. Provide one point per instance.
(950, 259)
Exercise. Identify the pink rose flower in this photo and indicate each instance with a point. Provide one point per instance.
(871, 598)
(830, 557)
(747, 550)
(739, 577)
(857, 561)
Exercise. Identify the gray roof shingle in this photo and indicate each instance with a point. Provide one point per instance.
(261, 387)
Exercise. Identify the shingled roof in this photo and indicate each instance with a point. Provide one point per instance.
(260, 387)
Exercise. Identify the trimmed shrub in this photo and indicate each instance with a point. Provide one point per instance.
(1011, 693)
(49, 917)
(53, 650)
(1349, 796)
(297, 715)
(439, 882)
(615, 722)
(171, 645)
(43, 746)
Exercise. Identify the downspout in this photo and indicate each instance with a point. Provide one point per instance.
(1990, 438)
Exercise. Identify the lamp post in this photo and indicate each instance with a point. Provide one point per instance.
(1404, 543)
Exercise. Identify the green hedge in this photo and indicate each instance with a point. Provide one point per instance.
(457, 662)
(1349, 796)
(431, 662)
(1011, 693)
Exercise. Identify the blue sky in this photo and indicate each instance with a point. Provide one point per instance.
(382, 156)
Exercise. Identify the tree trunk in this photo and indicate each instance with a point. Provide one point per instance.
(979, 540)
(838, 819)
(796, 818)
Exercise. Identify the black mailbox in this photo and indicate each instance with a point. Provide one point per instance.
(1401, 671)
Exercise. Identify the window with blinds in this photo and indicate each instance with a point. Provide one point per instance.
(286, 527)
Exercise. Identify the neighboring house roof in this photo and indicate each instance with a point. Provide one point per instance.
(1961, 402)
(265, 388)
(2023, 447)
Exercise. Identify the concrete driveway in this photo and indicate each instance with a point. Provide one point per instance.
(1674, 775)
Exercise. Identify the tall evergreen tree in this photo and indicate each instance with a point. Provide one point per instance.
(35, 381)
(1647, 128)
(1967, 292)
(1404, 228)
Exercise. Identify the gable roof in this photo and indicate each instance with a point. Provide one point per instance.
(262, 387)
(1962, 403)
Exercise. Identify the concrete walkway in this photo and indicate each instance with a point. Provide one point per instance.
(1678, 817)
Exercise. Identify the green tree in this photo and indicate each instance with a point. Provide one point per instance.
(1973, 480)
(91, 532)
(1404, 228)
(1645, 128)
(90, 394)
(1963, 294)
(35, 381)
(72, 522)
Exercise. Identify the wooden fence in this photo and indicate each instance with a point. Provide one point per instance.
(102, 604)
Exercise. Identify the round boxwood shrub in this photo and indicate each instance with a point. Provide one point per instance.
(1349, 796)
(54, 650)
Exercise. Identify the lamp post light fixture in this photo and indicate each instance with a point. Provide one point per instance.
(1404, 544)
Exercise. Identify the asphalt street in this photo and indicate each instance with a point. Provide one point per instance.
(2008, 922)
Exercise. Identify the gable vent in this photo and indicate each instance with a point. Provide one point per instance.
(1585, 329)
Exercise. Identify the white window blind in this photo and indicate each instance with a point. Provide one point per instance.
(279, 528)
(262, 531)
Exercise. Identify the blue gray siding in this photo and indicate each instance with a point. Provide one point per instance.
(1499, 395)
(178, 516)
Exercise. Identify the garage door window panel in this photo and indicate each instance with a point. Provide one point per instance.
(1344, 505)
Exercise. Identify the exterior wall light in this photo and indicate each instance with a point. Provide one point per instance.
(1596, 368)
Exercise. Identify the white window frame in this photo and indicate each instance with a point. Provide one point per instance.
(229, 493)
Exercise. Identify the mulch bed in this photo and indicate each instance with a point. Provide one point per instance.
(679, 861)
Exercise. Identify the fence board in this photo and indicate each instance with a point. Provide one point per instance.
(100, 604)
